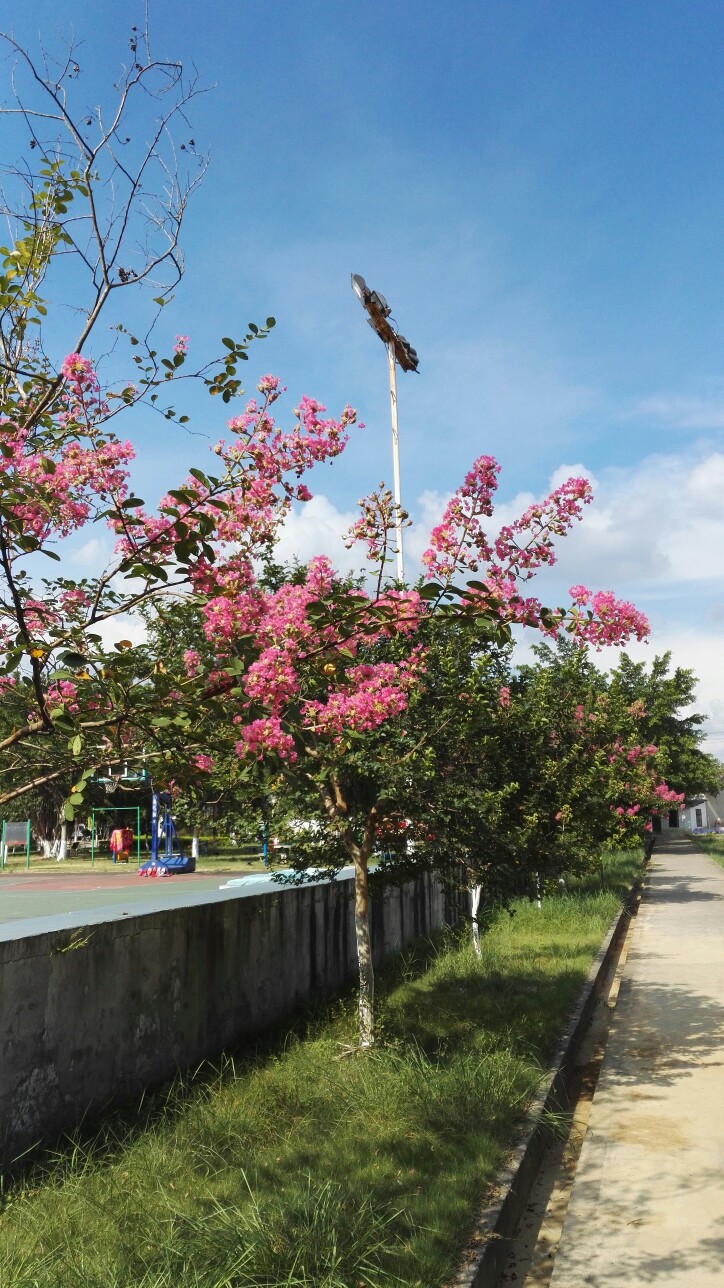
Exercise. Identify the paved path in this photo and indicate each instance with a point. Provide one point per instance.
(647, 1205)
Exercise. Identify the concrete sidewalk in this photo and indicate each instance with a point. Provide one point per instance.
(647, 1205)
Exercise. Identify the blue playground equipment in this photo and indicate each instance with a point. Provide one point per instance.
(164, 858)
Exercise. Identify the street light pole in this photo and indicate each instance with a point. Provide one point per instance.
(399, 353)
(396, 462)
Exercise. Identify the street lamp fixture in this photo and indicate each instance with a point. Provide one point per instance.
(400, 353)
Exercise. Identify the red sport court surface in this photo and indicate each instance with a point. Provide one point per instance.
(35, 902)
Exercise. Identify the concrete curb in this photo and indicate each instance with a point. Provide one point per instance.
(497, 1222)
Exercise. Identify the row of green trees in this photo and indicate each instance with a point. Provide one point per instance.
(501, 776)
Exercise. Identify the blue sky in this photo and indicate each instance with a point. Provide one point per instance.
(537, 189)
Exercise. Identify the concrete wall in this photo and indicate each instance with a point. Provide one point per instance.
(136, 1000)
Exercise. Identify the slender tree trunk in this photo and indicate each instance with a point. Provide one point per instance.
(366, 1005)
(63, 842)
(336, 806)
(475, 895)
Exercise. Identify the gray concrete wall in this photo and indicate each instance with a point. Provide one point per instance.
(89, 1018)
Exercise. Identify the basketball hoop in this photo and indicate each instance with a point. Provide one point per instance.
(110, 785)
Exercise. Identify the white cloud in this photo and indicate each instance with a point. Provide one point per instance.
(126, 626)
(92, 557)
(659, 525)
(316, 528)
(656, 529)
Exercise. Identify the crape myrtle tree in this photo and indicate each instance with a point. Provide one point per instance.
(588, 776)
(663, 698)
(326, 680)
(527, 773)
(315, 676)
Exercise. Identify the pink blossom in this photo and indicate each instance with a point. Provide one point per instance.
(182, 344)
(192, 662)
(262, 736)
(78, 371)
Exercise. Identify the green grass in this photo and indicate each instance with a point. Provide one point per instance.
(711, 845)
(295, 1168)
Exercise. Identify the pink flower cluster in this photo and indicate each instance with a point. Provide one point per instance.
(538, 525)
(65, 693)
(58, 493)
(192, 662)
(609, 620)
(371, 695)
(293, 642)
(459, 542)
(79, 375)
(667, 796)
(459, 545)
(272, 679)
(264, 736)
(241, 511)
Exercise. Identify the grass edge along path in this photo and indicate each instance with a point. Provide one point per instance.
(711, 845)
(295, 1168)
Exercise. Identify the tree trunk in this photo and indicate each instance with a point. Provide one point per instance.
(195, 844)
(364, 953)
(336, 807)
(63, 843)
(475, 895)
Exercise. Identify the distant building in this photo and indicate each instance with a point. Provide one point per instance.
(702, 813)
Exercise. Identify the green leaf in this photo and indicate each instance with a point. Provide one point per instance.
(68, 812)
(230, 344)
(77, 745)
(72, 659)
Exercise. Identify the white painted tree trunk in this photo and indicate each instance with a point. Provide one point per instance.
(46, 846)
(195, 844)
(475, 896)
(364, 955)
(63, 843)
